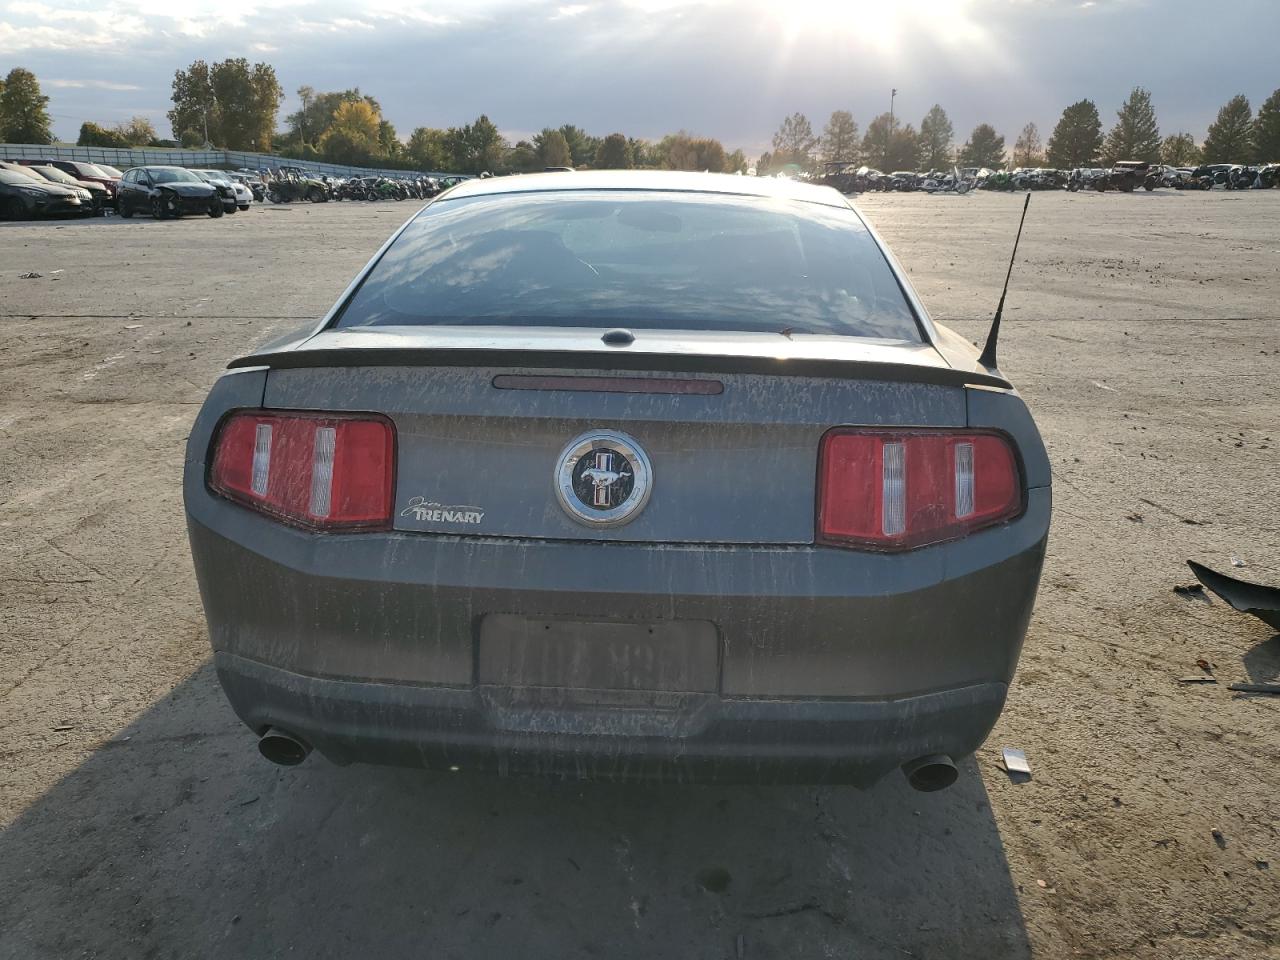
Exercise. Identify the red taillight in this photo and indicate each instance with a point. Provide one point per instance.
(320, 471)
(896, 489)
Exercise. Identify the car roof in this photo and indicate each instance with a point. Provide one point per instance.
(672, 181)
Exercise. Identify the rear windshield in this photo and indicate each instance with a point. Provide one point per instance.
(680, 261)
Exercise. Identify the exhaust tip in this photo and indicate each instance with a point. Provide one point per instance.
(934, 772)
(283, 748)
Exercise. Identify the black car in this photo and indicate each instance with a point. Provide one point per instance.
(100, 197)
(25, 195)
(166, 192)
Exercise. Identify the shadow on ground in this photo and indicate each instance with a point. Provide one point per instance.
(176, 839)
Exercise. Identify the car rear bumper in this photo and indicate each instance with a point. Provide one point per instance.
(570, 733)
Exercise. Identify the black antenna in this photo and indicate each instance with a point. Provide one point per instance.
(988, 358)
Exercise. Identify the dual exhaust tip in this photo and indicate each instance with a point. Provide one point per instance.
(926, 774)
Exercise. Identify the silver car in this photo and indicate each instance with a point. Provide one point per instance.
(235, 194)
(622, 475)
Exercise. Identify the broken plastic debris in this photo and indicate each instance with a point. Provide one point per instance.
(30, 276)
(1251, 598)
(1015, 762)
(1237, 562)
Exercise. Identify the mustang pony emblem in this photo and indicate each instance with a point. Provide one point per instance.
(603, 478)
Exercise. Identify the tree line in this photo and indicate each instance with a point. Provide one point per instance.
(235, 105)
(1236, 136)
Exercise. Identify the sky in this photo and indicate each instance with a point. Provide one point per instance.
(730, 70)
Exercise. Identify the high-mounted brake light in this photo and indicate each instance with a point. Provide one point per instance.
(322, 471)
(898, 489)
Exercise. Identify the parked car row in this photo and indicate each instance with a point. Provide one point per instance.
(1125, 176)
(32, 189)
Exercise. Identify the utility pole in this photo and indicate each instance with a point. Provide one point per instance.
(892, 93)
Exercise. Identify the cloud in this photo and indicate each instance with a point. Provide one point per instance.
(725, 68)
(93, 84)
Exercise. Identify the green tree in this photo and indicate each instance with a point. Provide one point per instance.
(1077, 139)
(194, 108)
(352, 137)
(1266, 130)
(1179, 150)
(1136, 135)
(736, 162)
(234, 103)
(248, 100)
(984, 148)
(94, 135)
(553, 148)
(428, 149)
(523, 158)
(682, 151)
(888, 146)
(582, 147)
(138, 132)
(1027, 150)
(23, 114)
(477, 147)
(840, 137)
(641, 152)
(936, 136)
(1230, 137)
(312, 120)
(614, 153)
(389, 145)
(794, 142)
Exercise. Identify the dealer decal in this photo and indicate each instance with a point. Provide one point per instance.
(424, 510)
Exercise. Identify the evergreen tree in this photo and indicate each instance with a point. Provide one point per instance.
(1136, 135)
(840, 138)
(614, 153)
(1180, 150)
(794, 142)
(984, 148)
(1230, 137)
(1077, 139)
(1266, 130)
(936, 135)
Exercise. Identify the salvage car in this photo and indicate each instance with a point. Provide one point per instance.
(27, 195)
(235, 195)
(622, 475)
(107, 177)
(166, 192)
(99, 197)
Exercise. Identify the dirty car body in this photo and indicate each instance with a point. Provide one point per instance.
(622, 476)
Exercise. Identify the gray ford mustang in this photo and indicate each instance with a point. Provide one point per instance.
(622, 475)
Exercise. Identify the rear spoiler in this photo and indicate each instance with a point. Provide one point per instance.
(699, 362)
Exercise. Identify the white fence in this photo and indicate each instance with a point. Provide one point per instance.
(124, 157)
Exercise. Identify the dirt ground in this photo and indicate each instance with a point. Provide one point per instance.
(139, 821)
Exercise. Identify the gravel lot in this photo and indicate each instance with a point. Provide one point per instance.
(139, 821)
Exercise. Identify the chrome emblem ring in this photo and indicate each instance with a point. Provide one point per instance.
(603, 478)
